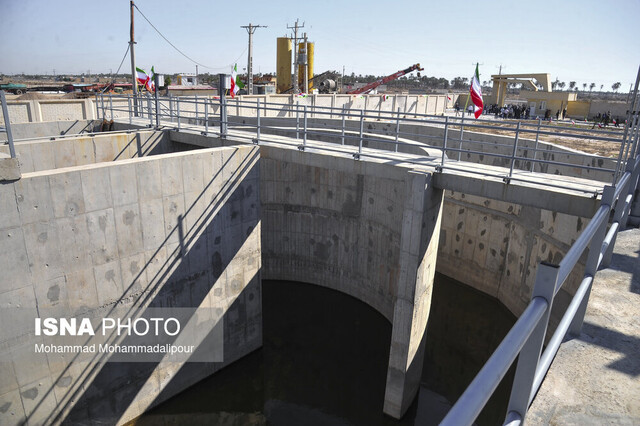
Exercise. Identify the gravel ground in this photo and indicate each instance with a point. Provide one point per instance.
(595, 378)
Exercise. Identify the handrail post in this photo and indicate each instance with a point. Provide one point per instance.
(149, 110)
(178, 112)
(461, 136)
(545, 285)
(111, 105)
(515, 150)
(97, 107)
(257, 120)
(361, 133)
(535, 150)
(104, 117)
(591, 266)
(343, 124)
(298, 120)
(444, 142)
(304, 142)
(157, 101)
(196, 101)
(7, 124)
(397, 128)
(617, 218)
(129, 107)
(206, 116)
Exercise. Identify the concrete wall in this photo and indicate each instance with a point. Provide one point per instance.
(496, 247)
(178, 230)
(47, 154)
(29, 111)
(618, 109)
(34, 111)
(51, 128)
(365, 229)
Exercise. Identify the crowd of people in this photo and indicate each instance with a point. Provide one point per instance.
(522, 111)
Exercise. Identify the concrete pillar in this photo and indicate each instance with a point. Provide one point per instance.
(419, 248)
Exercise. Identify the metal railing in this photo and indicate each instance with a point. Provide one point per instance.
(257, 122)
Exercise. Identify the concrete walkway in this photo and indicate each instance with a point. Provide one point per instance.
(595, 378)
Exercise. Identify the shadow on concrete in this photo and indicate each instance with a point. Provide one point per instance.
(629, 264)
(106, 390)
(616, 341)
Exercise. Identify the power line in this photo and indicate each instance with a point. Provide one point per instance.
(178, 50)
(113, 77)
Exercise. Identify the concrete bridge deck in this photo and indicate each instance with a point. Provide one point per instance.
(595, 378)
(563, 194)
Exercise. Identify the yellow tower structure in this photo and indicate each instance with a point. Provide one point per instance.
(310, 47)
(283, 66)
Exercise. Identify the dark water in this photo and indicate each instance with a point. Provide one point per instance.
(324, 362)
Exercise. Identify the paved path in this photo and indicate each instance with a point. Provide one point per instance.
(595, 378)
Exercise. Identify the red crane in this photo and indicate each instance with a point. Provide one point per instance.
(384, 80)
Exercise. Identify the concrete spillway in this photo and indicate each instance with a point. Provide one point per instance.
(144, 219)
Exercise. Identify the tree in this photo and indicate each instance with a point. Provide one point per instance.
(459, 83)
(584, 86)
(572, 85)
(561, 85)
(601, 86)
(591, 86)
(616, 86)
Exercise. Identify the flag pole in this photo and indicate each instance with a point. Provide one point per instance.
(466, 104)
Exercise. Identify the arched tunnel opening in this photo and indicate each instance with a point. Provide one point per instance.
(324, 361)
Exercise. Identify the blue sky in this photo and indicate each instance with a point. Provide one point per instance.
(586, 41)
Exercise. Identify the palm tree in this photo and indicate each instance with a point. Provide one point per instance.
(591, 86)
(584, 86)
(572, 84)
(616, 86)
(601, 86)
(561, 85)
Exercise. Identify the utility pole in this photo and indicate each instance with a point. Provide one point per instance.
(342, 81)
(196, 80)
(133, 66)
(296, 86)
(250, 29)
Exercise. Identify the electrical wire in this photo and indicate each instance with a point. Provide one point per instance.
(113, 78)
(179, 51)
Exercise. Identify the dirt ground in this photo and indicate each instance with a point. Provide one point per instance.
(591, 146)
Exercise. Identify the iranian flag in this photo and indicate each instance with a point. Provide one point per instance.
(476, 94)
(150, 84)
(234, 89)
(142, 77)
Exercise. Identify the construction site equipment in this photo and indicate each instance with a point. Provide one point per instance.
(369, 87)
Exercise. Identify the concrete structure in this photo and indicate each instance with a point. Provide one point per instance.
(500, 82)
(369, 230)
(139, 221)
(134, 233)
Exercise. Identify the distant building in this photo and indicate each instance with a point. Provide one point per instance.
(187, 79)
(264, 84)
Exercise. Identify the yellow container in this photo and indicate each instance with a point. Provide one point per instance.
(283, 66)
